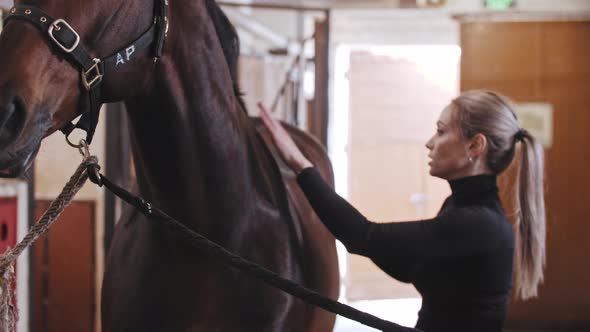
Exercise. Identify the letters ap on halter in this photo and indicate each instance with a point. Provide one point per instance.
(122, 59)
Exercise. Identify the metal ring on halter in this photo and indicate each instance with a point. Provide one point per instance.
(82, 147)
(77, 146)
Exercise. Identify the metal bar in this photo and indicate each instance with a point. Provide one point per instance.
(251, 25)
(318, 124)
(274, 6)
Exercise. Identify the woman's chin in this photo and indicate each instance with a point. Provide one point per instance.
(436, 174)
(432, 171)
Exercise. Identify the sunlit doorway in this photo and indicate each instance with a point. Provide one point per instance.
(387, 100)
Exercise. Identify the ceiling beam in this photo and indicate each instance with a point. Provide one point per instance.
(260, 30)
(271, 5)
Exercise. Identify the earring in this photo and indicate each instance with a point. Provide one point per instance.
(470, 159)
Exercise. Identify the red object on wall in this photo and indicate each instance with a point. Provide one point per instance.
(8, 222)
(8, 225)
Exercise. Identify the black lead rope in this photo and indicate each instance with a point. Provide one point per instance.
(203, 244)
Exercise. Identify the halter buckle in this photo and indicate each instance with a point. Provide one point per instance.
(56, 27)
(94, 73)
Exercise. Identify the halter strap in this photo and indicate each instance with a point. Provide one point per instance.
(92, 70)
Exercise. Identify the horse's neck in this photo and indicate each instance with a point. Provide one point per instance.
(192, 144)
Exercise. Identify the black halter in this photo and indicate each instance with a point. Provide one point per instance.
(61, 34)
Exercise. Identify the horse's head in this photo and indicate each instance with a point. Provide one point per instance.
(41, 87)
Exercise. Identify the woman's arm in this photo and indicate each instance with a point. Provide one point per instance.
(344, 221)
(458, 232)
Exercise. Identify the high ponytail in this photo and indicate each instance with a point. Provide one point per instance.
(529, 257)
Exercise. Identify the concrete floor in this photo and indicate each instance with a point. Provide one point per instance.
(401, 311)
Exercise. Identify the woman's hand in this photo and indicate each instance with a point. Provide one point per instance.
(284, 143)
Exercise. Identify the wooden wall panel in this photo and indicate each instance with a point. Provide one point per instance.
(547, 62)
(318, 122)
(518, 43)
(64, 271)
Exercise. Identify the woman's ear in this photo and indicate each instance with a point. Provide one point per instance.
(478, 145)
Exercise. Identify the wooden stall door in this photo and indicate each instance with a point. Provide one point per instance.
(64, 271)
(546, 62)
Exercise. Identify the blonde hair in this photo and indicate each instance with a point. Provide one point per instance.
(491, 114)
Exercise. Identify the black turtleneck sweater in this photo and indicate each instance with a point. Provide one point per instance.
(460, 261)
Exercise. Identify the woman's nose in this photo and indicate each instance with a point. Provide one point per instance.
(428, 144)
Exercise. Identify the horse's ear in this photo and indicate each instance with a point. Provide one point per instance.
(227, 34)
(230, 43)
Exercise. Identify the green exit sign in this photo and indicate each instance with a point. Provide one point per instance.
(499, 4)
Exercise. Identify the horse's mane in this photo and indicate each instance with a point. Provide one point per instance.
(230, 43)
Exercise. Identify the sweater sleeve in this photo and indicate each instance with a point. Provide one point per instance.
(453, 234)
(346, 223)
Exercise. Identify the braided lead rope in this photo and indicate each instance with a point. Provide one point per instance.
(8, 312)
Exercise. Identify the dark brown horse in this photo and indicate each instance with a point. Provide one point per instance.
(198, 157)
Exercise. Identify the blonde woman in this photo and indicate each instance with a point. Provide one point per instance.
(462, 260)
